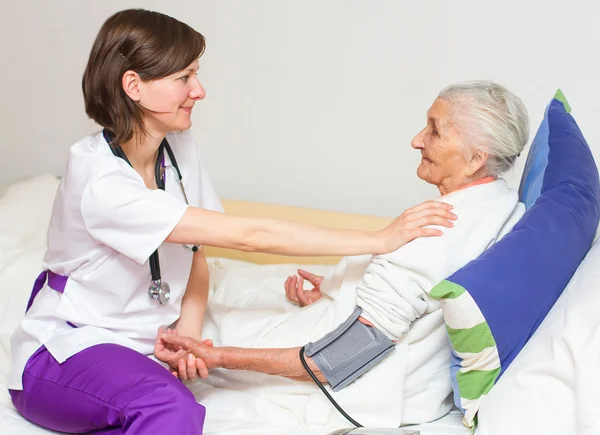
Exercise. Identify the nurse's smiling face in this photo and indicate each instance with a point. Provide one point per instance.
(167, 102)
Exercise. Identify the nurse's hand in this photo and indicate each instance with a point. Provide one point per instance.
(210, 356)
(413, 223)
(184, 365)
(190, 368)
(294, 288)
(165, 352)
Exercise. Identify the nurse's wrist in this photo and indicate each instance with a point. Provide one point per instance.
(380, 242)
(191, 324)
(196, 334)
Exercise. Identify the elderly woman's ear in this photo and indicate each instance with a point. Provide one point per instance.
(476, 164)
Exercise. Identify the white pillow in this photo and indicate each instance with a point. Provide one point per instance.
(24, 215)
(17, 280)
(552, 386)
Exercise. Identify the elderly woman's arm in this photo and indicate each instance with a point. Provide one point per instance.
(278, 362)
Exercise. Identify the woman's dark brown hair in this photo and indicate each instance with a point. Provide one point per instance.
(153, 45)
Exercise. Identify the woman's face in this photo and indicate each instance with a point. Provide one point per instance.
(169, 101)
(445, 161)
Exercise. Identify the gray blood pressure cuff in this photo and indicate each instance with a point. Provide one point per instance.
(349, 351)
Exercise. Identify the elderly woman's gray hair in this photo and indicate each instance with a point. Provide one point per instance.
(490, 117)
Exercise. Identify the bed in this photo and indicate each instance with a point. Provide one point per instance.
(23, 219)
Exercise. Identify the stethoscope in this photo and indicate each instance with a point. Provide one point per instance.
(159, 290)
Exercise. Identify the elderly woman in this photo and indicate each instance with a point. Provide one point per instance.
(474, 133)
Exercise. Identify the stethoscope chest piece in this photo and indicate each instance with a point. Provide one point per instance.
(160, 291)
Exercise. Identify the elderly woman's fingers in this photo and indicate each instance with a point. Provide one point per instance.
(301, 294)
(291, 286)
(315, 280)
(289, 293)
(294, 288)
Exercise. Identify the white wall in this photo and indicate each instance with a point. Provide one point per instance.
(310, 103)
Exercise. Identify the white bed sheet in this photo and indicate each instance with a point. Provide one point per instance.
(11, 423)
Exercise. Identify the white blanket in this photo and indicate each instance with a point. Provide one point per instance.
(251, 311)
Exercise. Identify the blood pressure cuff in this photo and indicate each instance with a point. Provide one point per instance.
(349, 351)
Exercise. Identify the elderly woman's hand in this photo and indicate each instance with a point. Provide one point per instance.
(413, 223)
(294, 288)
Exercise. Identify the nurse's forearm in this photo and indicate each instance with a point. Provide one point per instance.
(203, 227)
(195, 298)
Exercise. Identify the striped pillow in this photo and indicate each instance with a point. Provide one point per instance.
(495, 303)
(475, 359)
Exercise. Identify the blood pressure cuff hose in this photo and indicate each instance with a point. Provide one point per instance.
(349, 351)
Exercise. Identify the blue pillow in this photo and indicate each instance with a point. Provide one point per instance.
(537, 160)
(495, 303)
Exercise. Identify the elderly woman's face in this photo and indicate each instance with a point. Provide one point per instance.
(444, 159)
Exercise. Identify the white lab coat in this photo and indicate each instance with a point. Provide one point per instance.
(105, 224)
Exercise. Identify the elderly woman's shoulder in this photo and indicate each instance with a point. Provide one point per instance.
(484, 204)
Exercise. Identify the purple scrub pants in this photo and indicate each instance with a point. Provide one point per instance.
(106, 389)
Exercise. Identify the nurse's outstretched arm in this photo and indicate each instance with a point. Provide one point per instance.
(275, 236)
